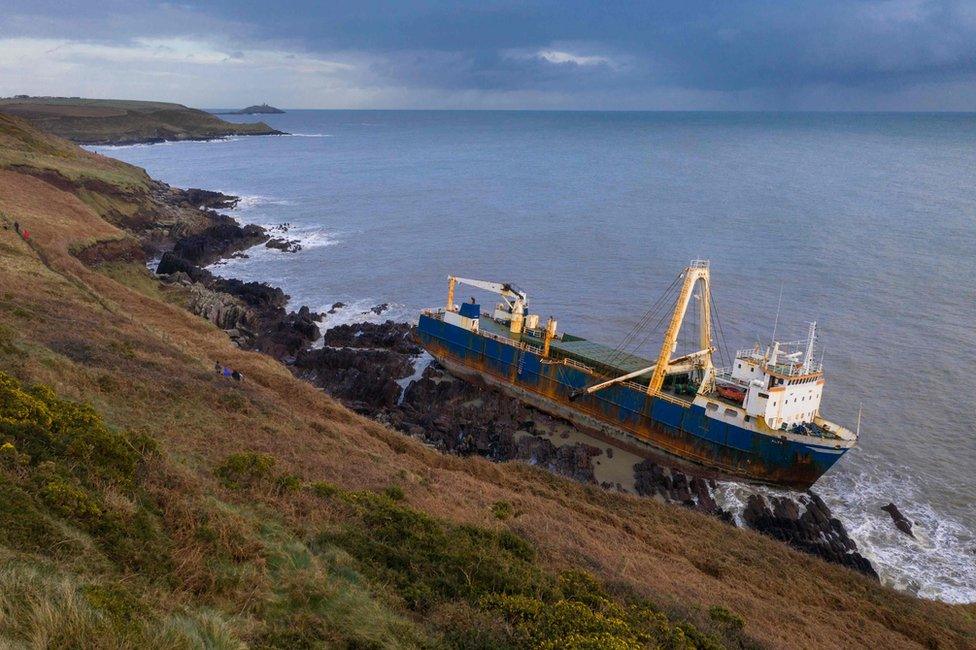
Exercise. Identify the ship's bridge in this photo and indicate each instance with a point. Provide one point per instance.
(781, 383)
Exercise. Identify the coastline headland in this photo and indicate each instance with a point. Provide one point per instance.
(256, 109)
(170, 503)
(125, 122)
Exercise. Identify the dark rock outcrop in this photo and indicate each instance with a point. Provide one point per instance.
(284, 245)
(902, 523)
(814, 530)
(674, 486)
(222, 238)
(171, 263)
(388, 335)
(254, 311)
(222, 309)
(209, 199)
(365, 379)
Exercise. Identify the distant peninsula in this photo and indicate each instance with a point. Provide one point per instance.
(118, 122)
(257, 109)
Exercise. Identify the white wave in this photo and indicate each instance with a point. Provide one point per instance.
(308, 135)
(937, 564)
(252, 201)
(165, 143)
(420, 363)
(137, 145)
(307, 236)
(359, 311)
(316, 239)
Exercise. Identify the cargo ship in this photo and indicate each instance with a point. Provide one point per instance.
(757, 420)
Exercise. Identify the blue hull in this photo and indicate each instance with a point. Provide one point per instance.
(650, 426)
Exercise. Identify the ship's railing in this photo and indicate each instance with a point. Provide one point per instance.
(565, 360)
(795, 369)
(640, 388)
(724, 375)
(788, 369)
(512, 342)
(576, 364)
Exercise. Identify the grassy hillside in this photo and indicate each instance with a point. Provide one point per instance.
(114, 121)
(147, 501)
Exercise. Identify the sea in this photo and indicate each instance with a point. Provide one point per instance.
(864, 223)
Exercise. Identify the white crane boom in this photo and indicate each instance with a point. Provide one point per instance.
(515, 306)
(503, 289)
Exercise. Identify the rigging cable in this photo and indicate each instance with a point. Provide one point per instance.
(621, 349)
(725, 346)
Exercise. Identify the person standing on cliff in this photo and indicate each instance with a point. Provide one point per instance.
(17, 227)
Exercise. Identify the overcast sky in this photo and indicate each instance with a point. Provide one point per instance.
(568, 54)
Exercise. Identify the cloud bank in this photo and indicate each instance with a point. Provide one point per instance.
(824, 55)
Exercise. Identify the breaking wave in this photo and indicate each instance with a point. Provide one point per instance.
(249, 202)
(938, 563)
(360, 311)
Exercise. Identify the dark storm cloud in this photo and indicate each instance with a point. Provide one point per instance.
(709, 45)
(764, 51)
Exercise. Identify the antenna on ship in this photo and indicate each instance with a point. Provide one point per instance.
(778, 305)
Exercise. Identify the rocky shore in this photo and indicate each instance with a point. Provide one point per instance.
(380, 371)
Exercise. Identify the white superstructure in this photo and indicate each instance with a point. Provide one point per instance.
(783, 383)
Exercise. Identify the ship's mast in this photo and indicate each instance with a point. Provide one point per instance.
(811, 337)
(696, 272)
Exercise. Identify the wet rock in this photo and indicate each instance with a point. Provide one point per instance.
(364, 378)
(284, 337)
(813, 531)
(223, 237)
(209, 199)
(336, 306)
(389, 335)
(258, 295)
(671, 485)
(378, 309)
(284, 245)
(902, 523)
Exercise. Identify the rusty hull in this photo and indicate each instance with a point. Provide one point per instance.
(668, 429)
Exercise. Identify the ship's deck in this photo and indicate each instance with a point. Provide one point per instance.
(602, 358)
(612, 363)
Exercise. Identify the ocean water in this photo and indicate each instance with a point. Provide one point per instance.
(865, 222)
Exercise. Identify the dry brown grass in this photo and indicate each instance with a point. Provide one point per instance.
(145, 363)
